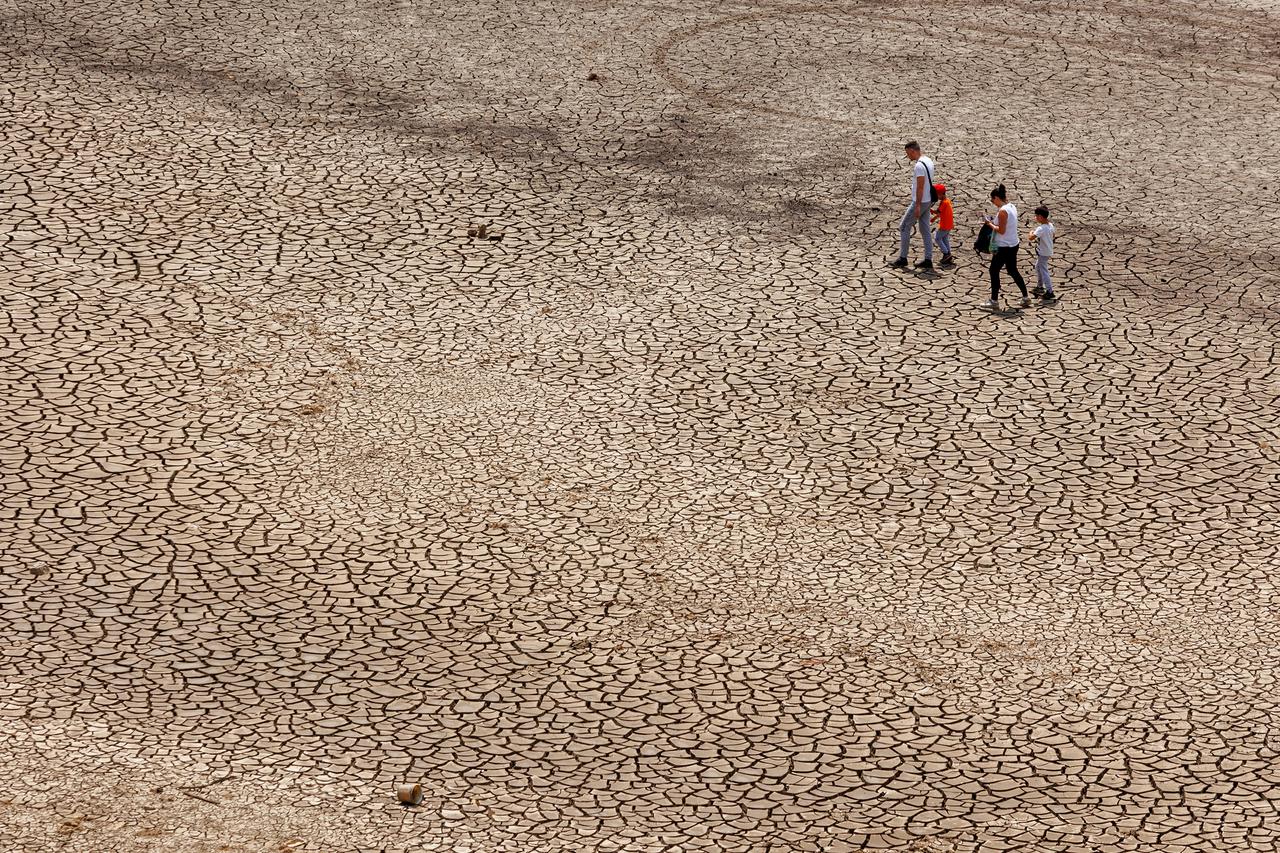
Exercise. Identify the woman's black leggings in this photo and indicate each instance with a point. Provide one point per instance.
(1007, 257)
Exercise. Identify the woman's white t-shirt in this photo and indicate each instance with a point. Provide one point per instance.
(1010, 237)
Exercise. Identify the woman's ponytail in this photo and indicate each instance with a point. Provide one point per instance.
(1000, 193)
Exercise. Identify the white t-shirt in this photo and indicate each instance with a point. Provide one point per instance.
(1044, 239)
(1010, 237)
(918, 171)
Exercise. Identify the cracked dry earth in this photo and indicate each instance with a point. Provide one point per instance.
(672, 520)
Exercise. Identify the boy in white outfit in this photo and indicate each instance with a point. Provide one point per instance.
(1042, 236)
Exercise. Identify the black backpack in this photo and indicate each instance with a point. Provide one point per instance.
(983, 244)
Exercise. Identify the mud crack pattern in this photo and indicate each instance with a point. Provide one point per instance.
(666, 518)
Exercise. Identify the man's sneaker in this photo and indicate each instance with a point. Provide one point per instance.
(1026, 302)
(900, 263)
(926, 264)
(992, 304)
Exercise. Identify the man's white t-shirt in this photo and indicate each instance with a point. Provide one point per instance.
(1044, 239)
(918, 171)
(1010, 236)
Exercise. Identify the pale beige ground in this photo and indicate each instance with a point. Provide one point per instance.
(672, 520)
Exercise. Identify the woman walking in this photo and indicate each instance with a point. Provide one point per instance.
(1005, 253)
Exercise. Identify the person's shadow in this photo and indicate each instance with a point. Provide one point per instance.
(1014, 309)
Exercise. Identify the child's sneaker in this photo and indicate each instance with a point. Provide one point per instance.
(991, 304)
(1050, 296)
(948, 261)
(1026, 302)
(1037, 291)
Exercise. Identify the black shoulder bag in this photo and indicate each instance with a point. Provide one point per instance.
(933, 194)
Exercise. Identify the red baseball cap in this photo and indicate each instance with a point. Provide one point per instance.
(940, 188)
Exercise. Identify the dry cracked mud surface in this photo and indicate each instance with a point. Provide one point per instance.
(672, 520)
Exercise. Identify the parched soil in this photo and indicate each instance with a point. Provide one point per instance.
(514, 398)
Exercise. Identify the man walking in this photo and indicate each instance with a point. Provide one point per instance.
(917, 215)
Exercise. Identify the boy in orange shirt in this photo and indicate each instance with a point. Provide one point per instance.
(943, 221)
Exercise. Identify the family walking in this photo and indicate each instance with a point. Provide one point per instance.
(999, 234)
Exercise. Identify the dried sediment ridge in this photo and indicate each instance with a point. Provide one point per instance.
(671, 520)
